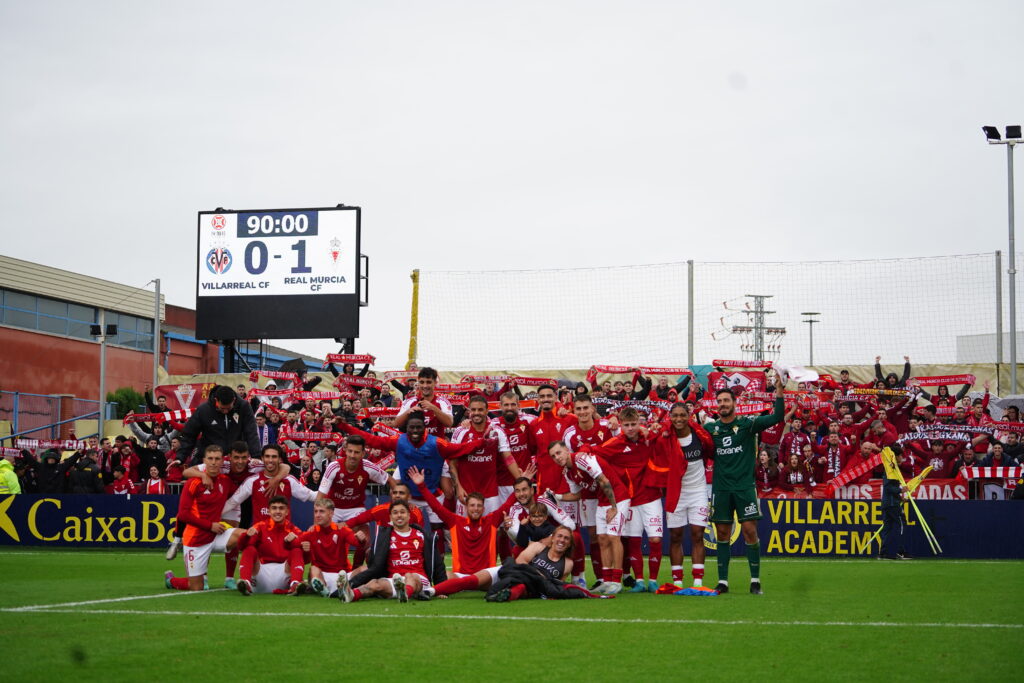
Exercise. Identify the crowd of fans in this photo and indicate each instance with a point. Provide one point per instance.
(832, 425)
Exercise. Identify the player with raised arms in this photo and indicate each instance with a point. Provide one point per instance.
(435, 410)
(733, 489)
(474, 538)
(687, 447)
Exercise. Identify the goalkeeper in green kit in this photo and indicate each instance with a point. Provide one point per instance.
(732, 488)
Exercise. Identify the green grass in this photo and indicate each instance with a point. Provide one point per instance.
(819, 619)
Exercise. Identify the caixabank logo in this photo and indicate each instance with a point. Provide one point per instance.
(83, 520)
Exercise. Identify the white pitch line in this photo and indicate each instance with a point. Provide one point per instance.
(499, 617)
(34, 608)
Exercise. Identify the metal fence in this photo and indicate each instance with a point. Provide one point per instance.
(41, 416)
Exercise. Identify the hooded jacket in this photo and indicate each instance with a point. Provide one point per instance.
(209, 426)
(8, 479)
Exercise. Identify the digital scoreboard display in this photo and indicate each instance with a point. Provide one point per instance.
(278, 274)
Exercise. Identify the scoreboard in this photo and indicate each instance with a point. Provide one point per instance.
(278, 274)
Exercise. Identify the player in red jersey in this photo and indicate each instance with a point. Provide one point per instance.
(345, 481)
(687, 447)
(200, 509)
(326, 545)
(477, 471)
(589, 430)
(580, 469)
(259, 487)
(274, 542)
(238, 468)
(473, 536)
(398, 569)
(548, 427)
(437, 411)
(632, 450)
(381, 514)
(524, 451)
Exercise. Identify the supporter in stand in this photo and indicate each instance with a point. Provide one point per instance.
(998, 458)
(891, 380)
(122, 483)
(766, 474)
(1012, 446)
(795, 476)
(967, 458)
(943, 398)
(155, 484)
(129, 461)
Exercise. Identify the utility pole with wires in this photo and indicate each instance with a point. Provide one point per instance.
(757, 329)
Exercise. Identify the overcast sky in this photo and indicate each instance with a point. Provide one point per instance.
(484, 135)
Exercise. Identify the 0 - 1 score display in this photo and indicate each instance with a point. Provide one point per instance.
(256, 253)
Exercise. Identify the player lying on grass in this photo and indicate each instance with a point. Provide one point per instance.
(272, 559)
(199, 509)
(325, 547)
(539, 572)
(402, 560)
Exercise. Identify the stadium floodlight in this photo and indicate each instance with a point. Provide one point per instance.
(1013, 136)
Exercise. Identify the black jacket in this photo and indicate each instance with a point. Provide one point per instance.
(52, 474)
(377, 563)
(537, 582)
(85, 478)
(209, 426)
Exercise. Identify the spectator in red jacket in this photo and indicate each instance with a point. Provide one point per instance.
(830, 457)
(795, 476)
(129, 461)
(858, 457)
(942, 396)
(880, 432)
(852, 430)
(766, 474)
(794, 440)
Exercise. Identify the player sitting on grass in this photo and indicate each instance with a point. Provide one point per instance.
(402, 559)
(272, 559)
(200, 510)
(539, 572)
(325, 546)
(474, 539)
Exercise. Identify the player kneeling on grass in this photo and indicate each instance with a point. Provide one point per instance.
(326, 547)
(199, 508)
(272, 559)
(402, 560)
(539, 572)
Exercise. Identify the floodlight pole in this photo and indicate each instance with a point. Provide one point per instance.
(1012, 272)
(103, 376)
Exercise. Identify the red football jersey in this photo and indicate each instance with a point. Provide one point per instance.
(521, 443)
(585, 468)
(631, 456)
(575, 438)
(381, 514)
(255, 486)
(348, 489)
(269, 540)
(478, 471)
(547, 428)
(406, 552)
(328, 546)
(200, 507)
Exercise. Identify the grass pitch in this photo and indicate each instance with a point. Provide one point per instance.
(90, 615)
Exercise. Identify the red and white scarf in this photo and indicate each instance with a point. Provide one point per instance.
(275, 375)
(844, 478)
(60, 444)
(170, 416)
(741, 363)
(353, 358)
(648, 370)
(943, 380)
